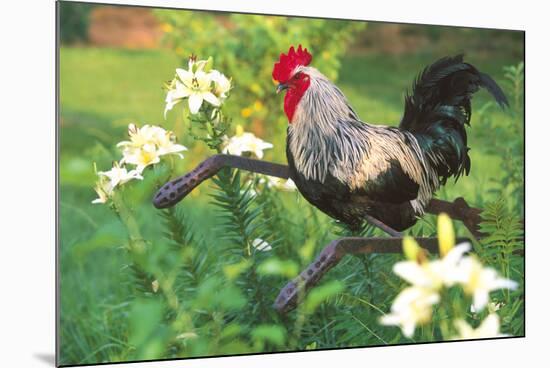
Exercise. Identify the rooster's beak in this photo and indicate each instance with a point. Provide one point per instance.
(281, 87)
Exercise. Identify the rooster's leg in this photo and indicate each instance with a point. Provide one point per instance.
(382, 226)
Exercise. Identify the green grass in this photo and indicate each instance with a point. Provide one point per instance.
(102, 90)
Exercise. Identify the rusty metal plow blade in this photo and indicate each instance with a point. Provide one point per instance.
(331, 255)
(175, 190)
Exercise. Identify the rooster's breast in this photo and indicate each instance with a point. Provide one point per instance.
(328, 195)
(339, 201)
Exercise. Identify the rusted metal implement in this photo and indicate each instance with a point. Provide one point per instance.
(175, 190)
(332, 254)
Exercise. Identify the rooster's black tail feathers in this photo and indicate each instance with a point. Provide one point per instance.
(493, 88)
(439, 107)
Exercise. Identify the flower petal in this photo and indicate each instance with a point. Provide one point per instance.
(490, 326)
(259, 153)
(179, 94)
(481, 298)
(412, 272)
(408, 329)
(195, 102)
(185, 76)
(261, 245)
(210, 98)
(456, 253)
(502, 283)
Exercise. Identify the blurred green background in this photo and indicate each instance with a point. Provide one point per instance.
(113, 62)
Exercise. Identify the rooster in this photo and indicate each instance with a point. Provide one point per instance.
(356, 171)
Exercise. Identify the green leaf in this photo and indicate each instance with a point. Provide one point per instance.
(147, 333)
(306, 251)
(209, 64)
(230, 331)
(233, 271)
(215, 295)
(321, 293)
(101, 240)
(273, 334)
(311, 346)
(277, 267)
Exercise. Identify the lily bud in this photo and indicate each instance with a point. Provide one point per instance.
(208, 65)
(239, 130)
(155, 286)
(445, 234)
(413, 252)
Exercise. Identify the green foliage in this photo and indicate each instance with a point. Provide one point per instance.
(503, 249)
(274, 334)
(504, 234)
(251, 44)
(277, 267)
(209, 134)
(146, 333)
(514, 75)
(320, 294)
(502, 139)
(178, 231)
(73, 21)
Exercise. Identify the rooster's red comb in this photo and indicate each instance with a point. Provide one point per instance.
(287, 63)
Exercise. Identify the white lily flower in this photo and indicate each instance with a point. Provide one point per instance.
(166, 143)
(197, 87)
(246, 142)
(198, 83)
(412, 307)
(490, 327)
(261, 245)
(289, 185)
(278, 183)
(479, 281)
(119, 175)
(108, 180)
(138, 137)
(147, 144)
(174, 95)
(141, 157)
(155, 285)
(433, 274)
(222, 85)
(104, 189)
